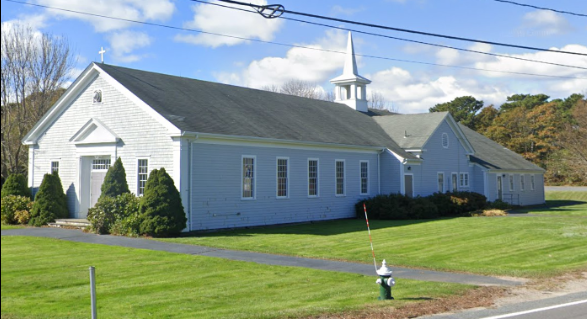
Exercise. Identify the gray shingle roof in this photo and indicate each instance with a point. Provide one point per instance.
(492, 155)
(411, 131)
(206, 107)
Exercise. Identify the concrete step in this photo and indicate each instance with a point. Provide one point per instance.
(70, 223)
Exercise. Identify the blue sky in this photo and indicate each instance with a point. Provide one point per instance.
(410, 87)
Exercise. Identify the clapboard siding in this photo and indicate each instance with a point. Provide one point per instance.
(216, 178)
(141, 137)
(390, 172)
(439, 159)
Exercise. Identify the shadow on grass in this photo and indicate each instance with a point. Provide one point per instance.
(551, 205)
(319, 228)
(417, 298)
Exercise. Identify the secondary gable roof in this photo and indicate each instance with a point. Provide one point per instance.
(492, 155)
(214, 108)
(412, 131)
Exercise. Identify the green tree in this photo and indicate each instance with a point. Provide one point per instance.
(16, 184)
(50, 201)
(161, 211)
(485, 118)
(463, 109)
(115, 181)
(527, 101)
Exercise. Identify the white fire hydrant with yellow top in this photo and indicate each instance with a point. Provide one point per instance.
(385, 282)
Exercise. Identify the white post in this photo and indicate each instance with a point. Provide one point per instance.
(93, 291)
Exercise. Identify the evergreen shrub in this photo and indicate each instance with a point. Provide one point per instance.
(161, 211)
(50, 201)
(13, 207)
(16, 184)
(115, 215)
(115, 181)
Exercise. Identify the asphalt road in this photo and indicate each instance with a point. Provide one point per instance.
(571, 306)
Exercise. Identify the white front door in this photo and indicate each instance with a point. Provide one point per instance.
(99, 168)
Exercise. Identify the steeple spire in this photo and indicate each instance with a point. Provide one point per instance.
(350, 86)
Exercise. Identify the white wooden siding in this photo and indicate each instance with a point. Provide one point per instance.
(141, 137)
(216, 199)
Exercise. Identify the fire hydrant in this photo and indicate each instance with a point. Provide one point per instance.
(385, 282)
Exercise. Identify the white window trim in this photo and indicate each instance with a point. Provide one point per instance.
(454, 187)
(461, 180)
(51, 165)
(443, 183)
(317, 177)
(101, 96)
(343, 178)
(522, 183)
(254, 197)
(447, 140)
(361, 177)
(148, 171)
(277, 178)
(511, 182)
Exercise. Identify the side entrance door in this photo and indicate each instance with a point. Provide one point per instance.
(499, 188)
(409, 185)
(99, 168)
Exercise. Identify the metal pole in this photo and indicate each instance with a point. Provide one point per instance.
(93, 291)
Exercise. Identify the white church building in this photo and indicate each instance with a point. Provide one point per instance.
(244, 157)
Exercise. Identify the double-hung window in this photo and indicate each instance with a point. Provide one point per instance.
(55, 167)
(312, 177)
(339, 173)
(464, 179)
(532, 182)
(248, 177)
(364, 177)
(142, 175)
(511, 182)
(441, 182)
(522, 182)
(282, 177)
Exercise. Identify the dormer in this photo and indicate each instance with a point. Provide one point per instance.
(350, 87)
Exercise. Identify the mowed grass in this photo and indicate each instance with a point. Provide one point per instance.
(48, 278)
(563, 204)
(512, 246)
(6, 227)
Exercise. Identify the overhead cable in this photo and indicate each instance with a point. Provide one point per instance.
(258, 7)
(542, 8)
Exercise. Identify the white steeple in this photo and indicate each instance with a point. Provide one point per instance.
(350, 86)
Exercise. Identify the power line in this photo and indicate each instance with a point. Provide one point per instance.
(541, 8)
(258, 7)
(291, 45)
(400, 39)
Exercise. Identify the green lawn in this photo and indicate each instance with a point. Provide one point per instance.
(563, 204)
(4, 227)
(514, 246)
(47, 278)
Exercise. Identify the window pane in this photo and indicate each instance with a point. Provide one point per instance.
(364, 177)
(101, 164)
(54, 167)
(339, 178)
(312, 178)
(142, 175)
(248, 177)
(282, 177)
(441, 183)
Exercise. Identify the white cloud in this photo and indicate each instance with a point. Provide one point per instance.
(512, 65)
(456, 57)
(411, 94)
(339, 10)
(299, 63)
(544, 23)
(125, 42)
(140, 10)
(220, 20)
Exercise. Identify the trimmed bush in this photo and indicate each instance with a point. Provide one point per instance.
(50, 201)
(499, 204)
(109, 215)
(16, 184)
(115, 181)
(161, 211)
(398, 206)
(14, 206)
